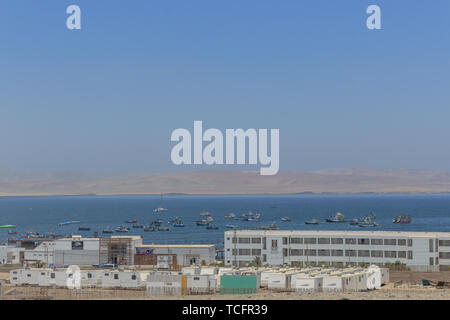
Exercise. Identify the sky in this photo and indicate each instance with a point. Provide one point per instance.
(106, 98)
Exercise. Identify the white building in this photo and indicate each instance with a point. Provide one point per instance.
(75, 250)
(421, 251)
(186, 254)
(3, 254)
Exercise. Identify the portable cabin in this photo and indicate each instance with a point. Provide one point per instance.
(190, 270)
(44, 278)
(384, 275)
(201, 284)
(165, 284)
(15, 277)
(265, 277)
(332, 282)
(111, 279)
(132, 279)
(208, 270)
(91, 278)
(308, 283)
(279, 280)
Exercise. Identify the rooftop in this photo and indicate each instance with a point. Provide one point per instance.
(338, 233)
(176, 246)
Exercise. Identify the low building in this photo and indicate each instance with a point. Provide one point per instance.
(172, 256)
(420, 251)
(3, 254)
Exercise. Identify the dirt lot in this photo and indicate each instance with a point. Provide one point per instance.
(405, 291)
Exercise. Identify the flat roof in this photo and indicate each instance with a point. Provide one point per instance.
(175, 246)
(339, 232)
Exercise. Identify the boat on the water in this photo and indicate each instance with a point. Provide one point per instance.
(6, 226)
(273, 226)
(205, 214)
(286, 219)
(339, 217)
(137, 226)
(157, 223)
(404, 218)
(65, 223)
(161, 208)
(12, 231)
(163, 229)
(202, 222)
(230, 216)
(212, 227)
(312, 221)
(250, 216)
(84, 228)
(355, 221)
(107, 230)
(122, 229)
(149, 229)
(131, 221)
(230, 226)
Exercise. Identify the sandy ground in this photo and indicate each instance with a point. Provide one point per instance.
(406, 291)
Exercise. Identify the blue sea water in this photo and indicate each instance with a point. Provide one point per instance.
(42, 214)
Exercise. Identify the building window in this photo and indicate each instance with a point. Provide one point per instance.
(390, 242)
(244, 252)
(444, 255)
(244, 240)
(256, 252)
(402, 254)
(337, 253)
(363, 241)
(437, 261)
(376, 242)
(133, 277)
(410, 242)
(256, 240)
(363, 253)
(444, 243)
(234, 240)
(274, 244)
(296, 252)
(116, 276)
(264, 243)
(410, 255)
(350, 253)
(234, 252)
(264, 257)
(401, 242)
(285, 240)
(296, 240)
(310, 252)
(285, 252)
(350, 241)
(390, 254)
(431, 261)
(376, 254)
(323, 241)
(430, 245)
(337, 241)
(310, 240)
(323, 253)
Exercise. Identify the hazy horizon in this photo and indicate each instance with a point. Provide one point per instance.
(105, 99)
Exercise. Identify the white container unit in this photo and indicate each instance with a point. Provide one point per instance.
(384, 275)
(201, 283)
(302, 282)
(279, 281)
(111, 279)
(15, 277)
(190, 270)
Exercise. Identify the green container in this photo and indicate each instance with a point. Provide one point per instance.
(238, 284)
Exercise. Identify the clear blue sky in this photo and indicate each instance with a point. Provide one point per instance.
(107, 97)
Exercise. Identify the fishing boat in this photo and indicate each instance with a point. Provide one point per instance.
(163, 229)
(230, 226)
(84, 228)
(161, 208)
(65, 223)
(205, 214)
(157, 223)
(212, 227)
(312, 221)
(12, 231)
(202, 222)
(250, 216)
(149, 229)
(230, 216)
(136, 225)
(339, 217)
(273, 226)
(286, 219)
(131, 221)
(107, 230)
(122, 229)
(354, 221)
(6, 226)
(402, 219)
(178, 223)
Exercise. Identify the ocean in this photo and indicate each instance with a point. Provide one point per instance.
(42, 214)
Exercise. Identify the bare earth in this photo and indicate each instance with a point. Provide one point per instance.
(405, 291)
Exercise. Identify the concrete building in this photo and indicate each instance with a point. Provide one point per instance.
(3, 254)
(421, 251)
(175, 255)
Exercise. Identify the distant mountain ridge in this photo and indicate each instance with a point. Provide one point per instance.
(347, 180)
